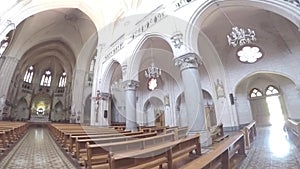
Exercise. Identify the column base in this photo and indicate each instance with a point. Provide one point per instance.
(205, 138)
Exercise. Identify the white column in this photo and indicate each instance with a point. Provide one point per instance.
(130, 102)
(6, 74)
(193, 96)
(104, 118)
(77, 95)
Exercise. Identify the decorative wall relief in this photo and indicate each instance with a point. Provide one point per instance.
(219, 89)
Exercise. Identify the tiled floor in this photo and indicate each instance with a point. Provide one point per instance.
(36, 150)
(272, 149)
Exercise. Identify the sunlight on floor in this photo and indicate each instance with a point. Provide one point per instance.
(278, 142)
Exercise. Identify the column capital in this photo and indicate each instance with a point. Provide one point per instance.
(130, 84)
(105, 96)
(186, 61)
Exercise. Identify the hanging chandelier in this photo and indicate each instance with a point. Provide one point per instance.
(240, 36)
(152, 72)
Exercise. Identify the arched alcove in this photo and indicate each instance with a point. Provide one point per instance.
(154, 112)
(256, 108)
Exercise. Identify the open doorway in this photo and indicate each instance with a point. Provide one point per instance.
(276, 114)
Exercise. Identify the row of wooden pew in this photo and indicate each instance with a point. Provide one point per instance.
(92, 146)
(293, 128)
(226, 151)
(96, 147)
(11, 132)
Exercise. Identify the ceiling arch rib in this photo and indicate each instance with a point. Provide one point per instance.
(45, 50)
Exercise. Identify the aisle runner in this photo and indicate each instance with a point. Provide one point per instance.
(36, 151)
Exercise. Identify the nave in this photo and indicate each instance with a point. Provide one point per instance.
(272, 148)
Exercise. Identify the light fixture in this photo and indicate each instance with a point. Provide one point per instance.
(240, 36)
(152, 73)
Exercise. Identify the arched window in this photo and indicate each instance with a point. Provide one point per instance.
(28, 75)
(46, 79)
(255, 93)
(271, 90)
(62, 80)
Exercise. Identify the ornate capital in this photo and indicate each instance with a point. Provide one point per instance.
(186, 61)
(105, 96)
(130, 85)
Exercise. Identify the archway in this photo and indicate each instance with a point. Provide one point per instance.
(21, 112)
(209, 109)
(58, 114)
(154, 111)
(87, 110)
(181, 113)
(41, 108)
(252, 93)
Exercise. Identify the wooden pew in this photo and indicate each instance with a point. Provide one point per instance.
(80, 143)
(221, 154)
(293, 128)
(217, 133)
(97, 154)
(10, 132)
(180, 132)
(156, 155)
(250, 133)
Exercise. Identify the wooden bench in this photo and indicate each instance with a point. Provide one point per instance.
(97, 154)
(80, 143)
(180, 132)
(10, 132)
(250, 133)
(156, 155)
(221, 154)
(293, 128)
(217, 133)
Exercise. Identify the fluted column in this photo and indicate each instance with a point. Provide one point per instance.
(190, 75)
(130, 87)
(6, 74)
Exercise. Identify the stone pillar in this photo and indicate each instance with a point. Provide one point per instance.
(190, 75)
(77, 96)
(104, 114)
(130, 87)
(6, 75)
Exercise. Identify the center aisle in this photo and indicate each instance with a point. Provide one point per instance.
(36, 150)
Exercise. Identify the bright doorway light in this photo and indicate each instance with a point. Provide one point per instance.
(274, 106)
(278, 143)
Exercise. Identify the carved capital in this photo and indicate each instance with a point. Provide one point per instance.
(105, 96)
(130, 85)
(186, 61)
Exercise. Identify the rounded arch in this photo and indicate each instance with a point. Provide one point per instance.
(180, 110)
(256, 108)
(21, 112)
(87, 110)
(153, 109)
(238, 83)
(134, 62)
(277, 6)
(40, 6)
(108, 75)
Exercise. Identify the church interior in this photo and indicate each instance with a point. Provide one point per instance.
(173, 84)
